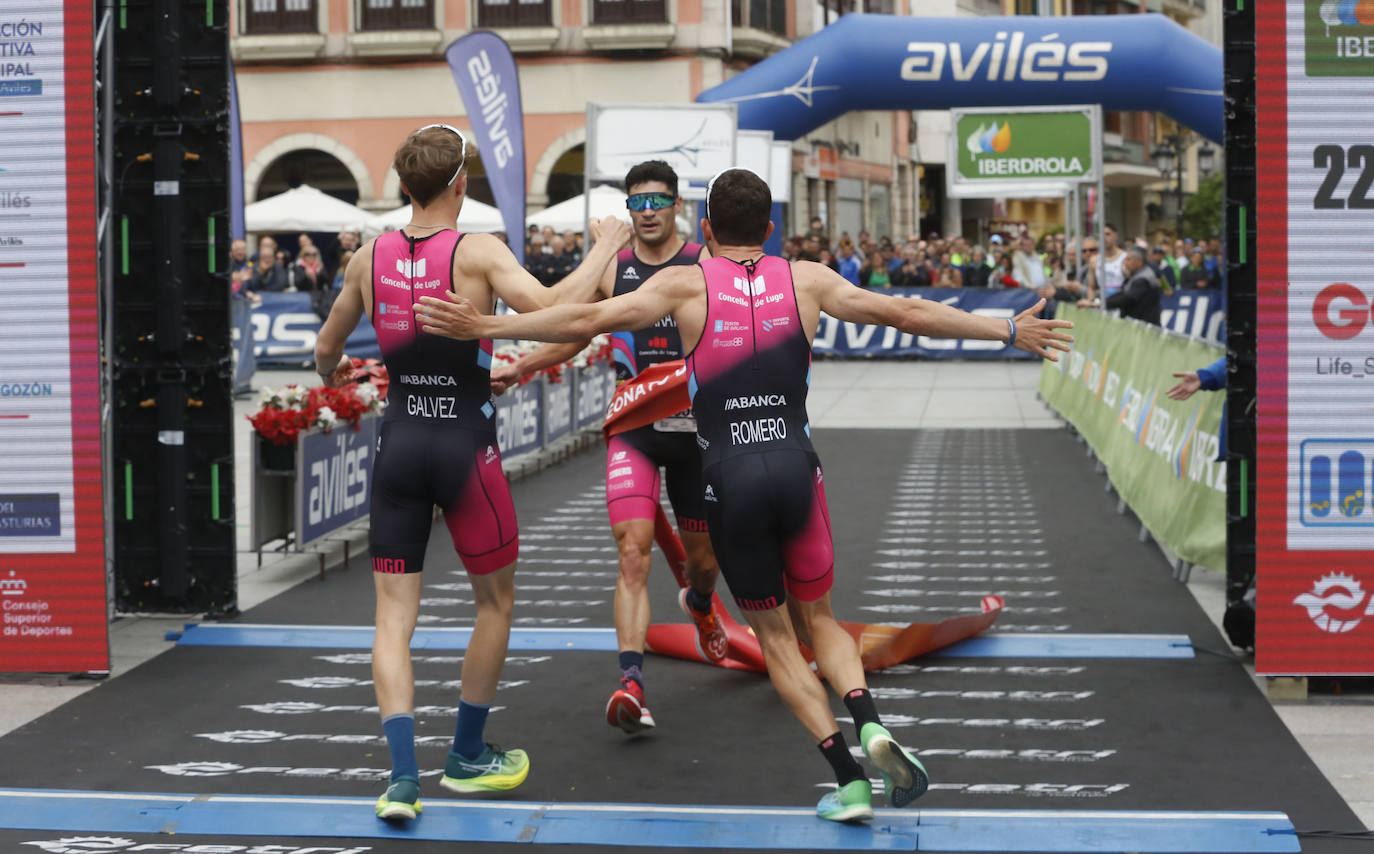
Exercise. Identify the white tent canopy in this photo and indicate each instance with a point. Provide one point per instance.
(571, 214)
(306, 209)
(475, 216)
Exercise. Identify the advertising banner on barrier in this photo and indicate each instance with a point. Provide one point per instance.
(594, 386)
(285, 328)
(519, 418)
(53, 613)
(1161, 454)
(1315, 436)
(334, 479)
(558, 407)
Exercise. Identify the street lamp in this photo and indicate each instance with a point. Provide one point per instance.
(1168, 157)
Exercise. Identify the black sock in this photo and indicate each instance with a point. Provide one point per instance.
(631, 666)
(836, 752)
(697, 602)
(860, 705)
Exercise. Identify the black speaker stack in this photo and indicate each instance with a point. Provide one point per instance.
(168, 315)
(1241, 300)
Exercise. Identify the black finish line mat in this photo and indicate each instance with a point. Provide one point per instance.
(969, 513)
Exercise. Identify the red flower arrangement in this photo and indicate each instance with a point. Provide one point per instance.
(285, 413)
(599, 350)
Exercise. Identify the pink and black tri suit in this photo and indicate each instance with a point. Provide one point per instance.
(764, 489)
(634, 457)
(438, 439)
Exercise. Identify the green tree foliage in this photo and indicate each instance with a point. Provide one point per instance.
(1202, 211)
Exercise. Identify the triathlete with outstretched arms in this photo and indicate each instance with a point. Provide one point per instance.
(749, 320)
(437, 446)
(634, 458)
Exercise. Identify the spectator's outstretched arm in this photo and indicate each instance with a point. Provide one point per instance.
(841, 300)
(1186, 387)
(1213, 377)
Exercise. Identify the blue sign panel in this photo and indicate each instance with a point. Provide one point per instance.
(285, 328)
(519, 419)
(334, 482)
(30, 515)
(558, 412)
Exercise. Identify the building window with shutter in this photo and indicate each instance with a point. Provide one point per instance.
(629, 11)
(514, 13)
(269, 17)
(397, 15)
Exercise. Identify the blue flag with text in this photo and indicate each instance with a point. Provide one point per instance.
(489, 85)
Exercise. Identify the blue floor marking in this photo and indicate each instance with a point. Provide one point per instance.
(1064, 645)
(360, 637)
(989, 645)
(739, 828)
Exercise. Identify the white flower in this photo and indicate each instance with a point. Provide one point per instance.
(326, 417)
(267, 397)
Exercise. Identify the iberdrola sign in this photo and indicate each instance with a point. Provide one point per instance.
(1027, 146)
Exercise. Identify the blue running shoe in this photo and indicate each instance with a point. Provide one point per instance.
(851, 802)
(903, 774)
(401, 800)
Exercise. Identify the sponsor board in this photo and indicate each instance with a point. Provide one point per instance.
(52, 517)
(1315, 480)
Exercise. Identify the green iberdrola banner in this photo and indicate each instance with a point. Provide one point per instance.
(1049, 146)
(1160, 454)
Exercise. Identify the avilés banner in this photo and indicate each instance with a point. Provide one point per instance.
(489, 85)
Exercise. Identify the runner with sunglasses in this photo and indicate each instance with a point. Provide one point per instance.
(634, 458)
(748, 320)
(438, 447)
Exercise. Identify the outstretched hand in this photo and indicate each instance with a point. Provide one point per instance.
(1187, 386)
(451, 317)
(1039, 335)
(612, 230)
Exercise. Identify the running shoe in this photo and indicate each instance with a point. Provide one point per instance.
(903, 774)
(851, 802)
(626, 708)
(401, 800)
(494, 770)
(711, 640)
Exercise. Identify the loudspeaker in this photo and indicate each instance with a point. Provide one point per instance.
(171, 352)
(1242, 288)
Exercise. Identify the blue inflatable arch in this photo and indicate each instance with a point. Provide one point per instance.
(884, 62)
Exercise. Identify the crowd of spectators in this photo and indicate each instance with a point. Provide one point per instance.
(1131, 278)
(272, 269)
(550, 256)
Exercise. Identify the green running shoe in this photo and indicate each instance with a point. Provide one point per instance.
(495, 770)
(903, 774)
(401, 800)
(851, 802)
